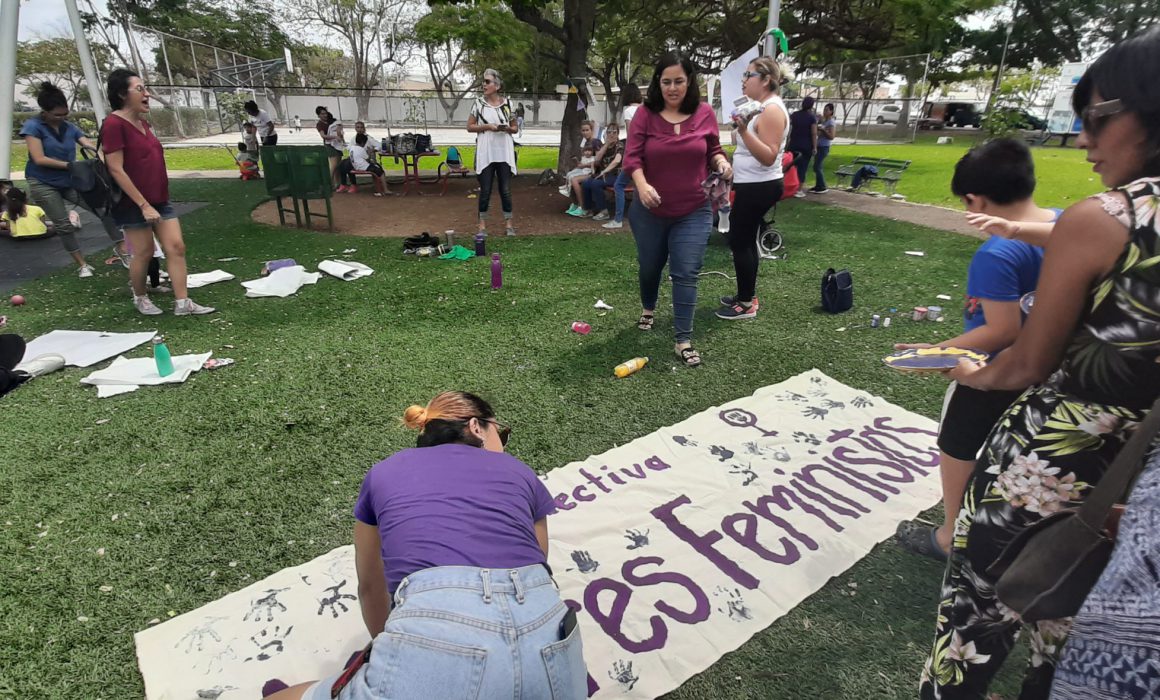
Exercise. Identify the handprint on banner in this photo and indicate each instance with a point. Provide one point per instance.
(214, 693)
(861, 402)
(781, 454)
(734, 604)
(195, 638)
(637, 538)
(808, 438)
(792, 396)
(752, 448)
(584, 561)
(266, 604)
(833, 405)
(722, 453)
(266, 641)
(815, 412)
(333, 601)
(750, 475)
(684, 441)
(216, 663)
(622, 673)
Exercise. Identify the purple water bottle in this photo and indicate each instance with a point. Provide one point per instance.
(496, 271)
(480, 245)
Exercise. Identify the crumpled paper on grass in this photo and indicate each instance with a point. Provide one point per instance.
(125, 375)
(345, 270)
(281, 282)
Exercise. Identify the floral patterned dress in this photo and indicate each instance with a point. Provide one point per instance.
(1046, 453)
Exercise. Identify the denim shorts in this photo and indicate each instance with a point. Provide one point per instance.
(131, 216)
(463, 632)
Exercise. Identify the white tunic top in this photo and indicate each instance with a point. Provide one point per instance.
(746, 168)
(493, 146)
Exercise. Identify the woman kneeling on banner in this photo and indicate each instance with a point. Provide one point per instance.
(454, 532)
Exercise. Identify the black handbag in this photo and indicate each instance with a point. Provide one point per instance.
(422, 143)
(1048, 569)
(91, 178)
(837, 291)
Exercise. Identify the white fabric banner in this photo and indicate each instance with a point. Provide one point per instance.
(281, 282)
(85, 348)
(677, 546)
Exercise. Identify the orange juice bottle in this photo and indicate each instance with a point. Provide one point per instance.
(626, 368)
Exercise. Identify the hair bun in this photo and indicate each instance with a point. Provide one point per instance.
(415, 417)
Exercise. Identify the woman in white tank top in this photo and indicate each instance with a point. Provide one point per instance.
(757, 180)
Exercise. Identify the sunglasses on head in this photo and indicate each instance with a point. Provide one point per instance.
(1095, 117)
(504, 430)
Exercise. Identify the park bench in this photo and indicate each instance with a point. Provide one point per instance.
(889, 171)
(380, 186)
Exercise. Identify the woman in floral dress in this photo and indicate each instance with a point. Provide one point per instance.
(1096, 319)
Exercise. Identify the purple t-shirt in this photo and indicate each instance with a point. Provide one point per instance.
(453, 505)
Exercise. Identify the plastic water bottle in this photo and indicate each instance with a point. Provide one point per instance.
(626, 368)
(449, 234)
(162, 357)
(581, 327)
(723, 219)
(480, 245)
(496, 271)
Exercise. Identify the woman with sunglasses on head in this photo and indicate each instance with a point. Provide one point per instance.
(454, 533)
(493, 124)
(1096, 320)
(52, 143)
(757, 180)
(136, 162)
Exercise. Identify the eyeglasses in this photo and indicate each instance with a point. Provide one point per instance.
(749, 74)
(140, 88)
(504, 430)
(1095, 117)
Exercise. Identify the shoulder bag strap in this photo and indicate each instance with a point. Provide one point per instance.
(1117, 481)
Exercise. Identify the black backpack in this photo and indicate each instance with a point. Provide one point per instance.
(91, 178)
(837, 291)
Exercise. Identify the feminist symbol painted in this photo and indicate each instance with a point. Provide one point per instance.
(740, 418)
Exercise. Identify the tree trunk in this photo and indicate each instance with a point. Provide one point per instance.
(579, 17)
(902, 128)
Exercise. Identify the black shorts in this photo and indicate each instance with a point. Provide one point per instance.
(968, 416)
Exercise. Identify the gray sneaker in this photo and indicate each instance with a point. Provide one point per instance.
(146, 306)
(40, 365)
(613, 224)
(188, 307)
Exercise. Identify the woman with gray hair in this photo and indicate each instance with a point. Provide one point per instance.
(493, 124)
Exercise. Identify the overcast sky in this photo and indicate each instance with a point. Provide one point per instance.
(46, 18)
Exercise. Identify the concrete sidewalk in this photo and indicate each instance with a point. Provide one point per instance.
(921, 214)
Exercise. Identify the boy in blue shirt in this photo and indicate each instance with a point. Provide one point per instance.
(996, 179)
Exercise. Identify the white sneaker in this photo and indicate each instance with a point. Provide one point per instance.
(188, 307)
(40, 365)
(800, 194)
(613, 224)
(146, 306)
(85, 271)
(74, 218)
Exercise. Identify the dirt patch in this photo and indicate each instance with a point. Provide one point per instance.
(537, 211)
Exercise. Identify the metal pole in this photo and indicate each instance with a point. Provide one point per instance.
(771, 23)
(9, 33)
(169, 74)
(1002, 61)
(86, 54)
(922, 87)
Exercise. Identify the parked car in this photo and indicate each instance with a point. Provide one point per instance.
(936, 115)
(888, 114)
(1022, 119)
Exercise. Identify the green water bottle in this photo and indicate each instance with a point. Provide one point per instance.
(162, 357)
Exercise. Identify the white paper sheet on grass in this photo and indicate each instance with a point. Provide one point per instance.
(679, 546)
(201, 279)
(345, 270)
(124, 375)
(85, 348)
(281, 282)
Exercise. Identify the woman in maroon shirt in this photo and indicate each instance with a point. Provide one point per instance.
(136, 161)
(673, 144)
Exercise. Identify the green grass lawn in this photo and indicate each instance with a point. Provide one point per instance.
(176, 496)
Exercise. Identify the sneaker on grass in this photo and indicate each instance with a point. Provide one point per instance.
(601, 216)
(737, 312)
(85, 271)
(146, 306)
(188, 307)
(800, 194)
(614, 224)
(730, 301)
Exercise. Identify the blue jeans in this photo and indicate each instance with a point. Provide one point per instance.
(819, 173)
(622, 181)
(593, 188)
(681, 242)
(463, 632)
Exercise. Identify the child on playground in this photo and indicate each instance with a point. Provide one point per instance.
(994, 179)
(247, 163)
(250, 137)
(21, 219)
